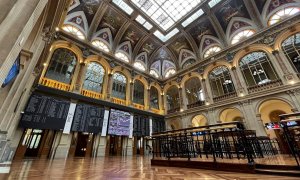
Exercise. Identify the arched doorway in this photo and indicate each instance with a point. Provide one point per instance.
(270, 111)
(199, 120)
(231, 114)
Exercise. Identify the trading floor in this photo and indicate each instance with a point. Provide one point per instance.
(116, 168)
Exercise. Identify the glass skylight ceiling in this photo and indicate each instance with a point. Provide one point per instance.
(165, 13)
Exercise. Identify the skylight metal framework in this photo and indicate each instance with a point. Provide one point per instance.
(165, 13)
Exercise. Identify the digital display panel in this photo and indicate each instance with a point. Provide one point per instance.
(119, 123)
(13, 72)
(45, 112)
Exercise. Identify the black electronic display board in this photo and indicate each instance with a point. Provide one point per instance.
(45, 112)
(88, 118)
(141, 125)
(158, 125)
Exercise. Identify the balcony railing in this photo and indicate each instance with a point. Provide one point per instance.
(173, 110)
(55, 84)
(91, 94)
(138, 106)
(225, 96)
(196, 104)
(118, 101)
(265, 86)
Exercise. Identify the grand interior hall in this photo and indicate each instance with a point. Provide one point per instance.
(150, 89)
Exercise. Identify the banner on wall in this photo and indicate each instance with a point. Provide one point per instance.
(105, 123)
(70, 117)
(131, 126)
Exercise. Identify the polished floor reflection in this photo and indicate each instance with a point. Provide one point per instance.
(114, 168)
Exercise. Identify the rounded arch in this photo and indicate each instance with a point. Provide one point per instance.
(266, 15)
(202, 49)
(170, 84)
(278, 99)
(269, 111)
(230, 114)
(100, 60)
(199, 120)
(212, 66)
(284, 35)
(250, 25)
(154, 84)
(189, 76)
(142, 79)
(123, 71)
(67, 45)
(255, 47)
(175, 124)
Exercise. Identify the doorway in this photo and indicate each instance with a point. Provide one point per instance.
(115, 145)
(84, 145)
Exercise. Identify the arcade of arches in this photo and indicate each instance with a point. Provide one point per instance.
(67, 66)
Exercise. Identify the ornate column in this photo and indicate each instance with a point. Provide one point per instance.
(163, 104)
(239, 89)
(108, 87)
(180, 98)
(131, 90)
(148, 99)
(205, 91)
(260, 131)
(288, 76)
(80, 78)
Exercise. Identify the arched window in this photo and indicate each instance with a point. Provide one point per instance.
(62, 66)
(194, 93)
(138, 92)
(119, 86)
(101, 45)
(74, 30)
(242, 35)
(154, 97)
(173, 98)
(139, 66)
(291, 48)
(220, 81)
(122, 56)
(94, 77)
(283, 14)
(187, 63)
(257, 69)
(154, 73)
(211, 51)
(170, 72)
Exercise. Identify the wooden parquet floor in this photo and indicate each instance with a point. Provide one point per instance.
(116, 168)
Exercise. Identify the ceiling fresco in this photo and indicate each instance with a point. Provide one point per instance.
(124, 26)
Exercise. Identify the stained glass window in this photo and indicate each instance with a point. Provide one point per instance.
(124, 6)
(73, 30)
(242, 35)
(99, 44)
(257, 69)
(138, 92)
(282, 14)
(154, 73)
(94, 76)
(211, 51)
(139, 66)
(170, 72)
(291, 48)
(212, 3)
(143, 22)
(119, 86)
(122, 56)
(164, 38)
(220, 81)
(154, 98)
(62, 66)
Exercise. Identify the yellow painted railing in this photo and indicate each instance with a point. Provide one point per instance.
(139, 106)
(157, 111)
(55, 84)
(118, 101)
(91, 94)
